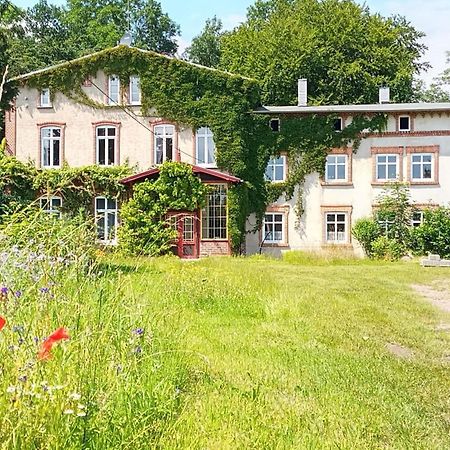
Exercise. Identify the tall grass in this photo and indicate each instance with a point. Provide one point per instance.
(250, 353)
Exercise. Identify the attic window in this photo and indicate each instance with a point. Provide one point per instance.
(404, 123)
(337, 124)
(45, 100)
(274, 125)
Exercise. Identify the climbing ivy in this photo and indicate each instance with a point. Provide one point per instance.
(145, 228)
(197, 96)
(21, 183)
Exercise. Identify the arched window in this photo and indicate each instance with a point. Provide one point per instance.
(164, 138)
(205, 147)
(106, 145)
(51, 147)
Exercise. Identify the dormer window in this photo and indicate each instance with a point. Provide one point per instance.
(404, 123)
(337, 124)
(45, 100)
(113, 90)
(135, 90)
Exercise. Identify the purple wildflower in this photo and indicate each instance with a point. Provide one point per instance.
(18, 294)
(44, 290)
(138, 331)
(4, 290)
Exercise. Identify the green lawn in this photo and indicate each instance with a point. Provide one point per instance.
(237, 353)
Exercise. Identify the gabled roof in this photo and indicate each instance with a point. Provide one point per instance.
(356, 109)
(202, 172)
(111, 50)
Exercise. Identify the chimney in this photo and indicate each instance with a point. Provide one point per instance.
(384, 95)
(303, 92)
(126, 39)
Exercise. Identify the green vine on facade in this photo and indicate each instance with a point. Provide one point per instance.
(196, 96)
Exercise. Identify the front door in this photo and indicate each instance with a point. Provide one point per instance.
(187, 225)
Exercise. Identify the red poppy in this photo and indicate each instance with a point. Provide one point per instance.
(2, 322)
(58, 335)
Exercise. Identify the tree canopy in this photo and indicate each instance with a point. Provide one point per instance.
(205, 48)
(343, 50)
(46, 34)
(439, 90)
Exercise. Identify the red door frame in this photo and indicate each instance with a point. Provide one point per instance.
(181, 242)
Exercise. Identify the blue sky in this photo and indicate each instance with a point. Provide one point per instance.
(430, 16)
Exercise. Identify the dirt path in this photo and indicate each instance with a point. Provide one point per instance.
(438, 295)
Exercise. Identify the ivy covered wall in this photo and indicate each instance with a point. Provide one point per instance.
(197, 96)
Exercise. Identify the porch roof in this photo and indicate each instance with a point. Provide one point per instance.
(204, 174)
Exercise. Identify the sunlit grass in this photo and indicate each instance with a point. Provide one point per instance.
(228, 353)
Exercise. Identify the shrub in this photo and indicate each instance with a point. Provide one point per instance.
(433, 236)
(387, 249)
(366, 231)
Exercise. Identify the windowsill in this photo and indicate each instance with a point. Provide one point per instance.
(276, 181)
(208, 166)
(336, 183)
(45, 107)
(274, 244)
(423, 183)
(385, 183)
(135, 104)
(107, 243)
(50, 167)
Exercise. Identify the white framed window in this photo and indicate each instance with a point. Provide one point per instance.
(45, 100)
(274, 228)
(336, 227)
(417, 218)
(164, 139)
(135, 90)
(51, 147)
(404, 123)
(387, 167)
(106, 142)
(51, 205)
(214, 214)
(422, 167)
(113, 90)
(336, 168)
(106, 219)
(206, 148)
(276, 169)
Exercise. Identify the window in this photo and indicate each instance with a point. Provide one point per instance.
(274, 125)
(336, 168)
(276, 169)
(421, 166)
(113, 90)
(106, 218)
(337, 124)
(404, 123)
(45, 100)
(51, 205)
(214, 215)
(206, 149)
(164, 135)
(135, 90)
(387, 167)
(417, 218)
(51, 147)
(336, 227)
(273, 226)
(106, 145)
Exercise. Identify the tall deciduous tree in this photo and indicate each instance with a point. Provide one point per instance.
(439, 90)
(98, 24)
(205, 48)
(343, 50)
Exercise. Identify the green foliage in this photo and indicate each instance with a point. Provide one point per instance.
(145, 229)
(205, 48)
(387, 248)
(439, 90)
(343, 50)
(21, 183)
(366, 231)
(433, 236)
(394, 213)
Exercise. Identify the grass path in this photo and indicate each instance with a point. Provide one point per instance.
(293, 354)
